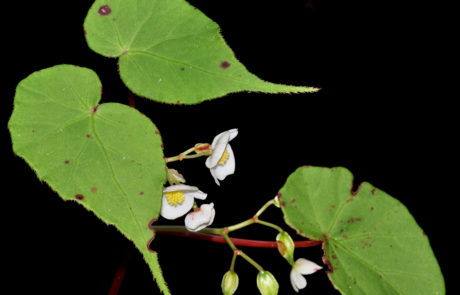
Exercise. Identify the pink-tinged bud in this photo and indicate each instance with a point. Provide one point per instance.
(229, 282)
(202, 147)
(286, 246)
(302, 267)
(267, 283)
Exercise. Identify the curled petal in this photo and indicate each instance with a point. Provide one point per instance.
(306, 267)
(233, 133)
(169, 211)
(219, 145)
(217, 150)
(297, 280)
(221, 171)
(196, 221)
(180, 187)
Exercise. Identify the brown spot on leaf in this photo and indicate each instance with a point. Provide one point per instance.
(353, 220)
(345, 236)
(182, 69)
(88, 135)
(94, 110)
(94, 189)
(141, 193)
(104, 10)
(373, 191)
(225, 65)
(292, 201)
(282, 203)
(66, 161)
(79, 197)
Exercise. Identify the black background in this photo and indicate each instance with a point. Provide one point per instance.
(381, 113)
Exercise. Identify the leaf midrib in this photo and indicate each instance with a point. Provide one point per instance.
(126, 198)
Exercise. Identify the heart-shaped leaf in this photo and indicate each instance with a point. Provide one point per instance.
(107, 157)
(170, 52)
(371, 242)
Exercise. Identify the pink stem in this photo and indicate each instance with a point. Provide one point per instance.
(237, 241)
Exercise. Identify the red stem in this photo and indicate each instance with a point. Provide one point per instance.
(131, 100)
(121, 271)
(237, 241)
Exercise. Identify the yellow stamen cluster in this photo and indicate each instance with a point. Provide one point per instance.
(175, 198)
(224, 157)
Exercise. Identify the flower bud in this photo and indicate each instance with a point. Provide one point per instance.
(286, 246)
(229, 282)
(267, 283)
(201, 148)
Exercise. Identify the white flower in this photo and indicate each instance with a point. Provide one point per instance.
(222, 161)
(178, 200)
(197, 220)
(301, 267)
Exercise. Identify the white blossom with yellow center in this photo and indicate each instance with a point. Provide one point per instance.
(301, 267)
(222, 161)
(178, 200)
(201, 218)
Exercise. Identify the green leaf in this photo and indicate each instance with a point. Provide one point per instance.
(170, 52)
(106, 157)
(371, 243)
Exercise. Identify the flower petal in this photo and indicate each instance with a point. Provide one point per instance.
(196, 221)
(219, 143)
(222, 171)
(233, 133)
(218, 147)
(196, 194)
(180, 187)
(306, 267)
(169, 211)
(214, 176)
(297, 280)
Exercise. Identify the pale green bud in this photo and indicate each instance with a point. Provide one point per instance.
(267, 283)
(286, 246)
(276, 201)
(229, 282)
